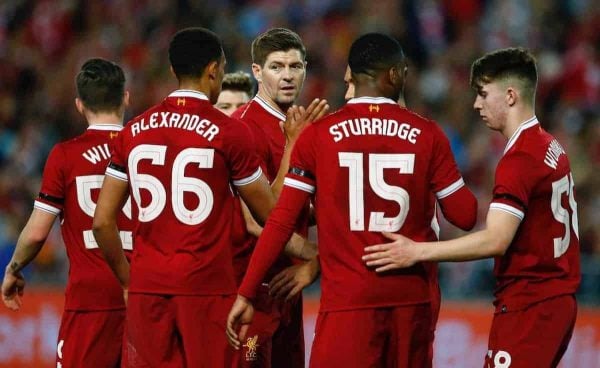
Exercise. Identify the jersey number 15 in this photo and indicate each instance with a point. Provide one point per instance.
(405, 163)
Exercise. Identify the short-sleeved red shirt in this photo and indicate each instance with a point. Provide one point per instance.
(70, 186)
(179, 158)
(534, 183)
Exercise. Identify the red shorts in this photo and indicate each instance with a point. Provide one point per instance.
(275, 337)
(534, 337)
(87, 339)
(178, 330)
(377, 337)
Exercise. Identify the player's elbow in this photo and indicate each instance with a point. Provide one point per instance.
(99, 224)
(460, 209)
(37, 237)
(497, 245)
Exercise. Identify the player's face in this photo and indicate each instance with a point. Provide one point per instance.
(282, 76)
(349, 84)
(229, 101)
(491, 104)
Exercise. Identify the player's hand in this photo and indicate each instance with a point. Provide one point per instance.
(400, 253)
(298, 118)
(289, 282)
(13, 287)
(240, 318)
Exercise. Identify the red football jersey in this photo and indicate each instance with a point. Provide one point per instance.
(373, 166)
(179, 158)
(535, 184)
(269, 143)
(70, 186)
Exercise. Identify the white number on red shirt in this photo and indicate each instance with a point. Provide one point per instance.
(85, 184)
(180, 183)
(377, 163)
(560, 187)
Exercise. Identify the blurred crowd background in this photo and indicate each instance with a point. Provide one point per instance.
(43, 44)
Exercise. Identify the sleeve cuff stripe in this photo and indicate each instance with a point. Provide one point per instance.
(46, 208)
(116, 174)
(450, 189)
(509, 209)
(251, 179)
(299, 185)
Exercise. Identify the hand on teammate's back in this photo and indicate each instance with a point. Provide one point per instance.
(400, 253)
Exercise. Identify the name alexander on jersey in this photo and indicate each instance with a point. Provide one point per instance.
(168, 119)
(374, 126)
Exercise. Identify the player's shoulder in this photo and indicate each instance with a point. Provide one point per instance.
(241, 111)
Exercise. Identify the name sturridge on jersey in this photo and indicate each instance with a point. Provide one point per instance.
(374, 126)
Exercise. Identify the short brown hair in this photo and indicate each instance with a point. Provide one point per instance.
(510, 63)
(275, 39)
(101, 85)
(238, 81)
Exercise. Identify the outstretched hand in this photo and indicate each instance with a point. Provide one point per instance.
(298, 118)
(240, 318)
(400, 253)
(13, 287)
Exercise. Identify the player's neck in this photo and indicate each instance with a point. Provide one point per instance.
(515, 118)
(195, 85)
(100, 118)
(263, 95)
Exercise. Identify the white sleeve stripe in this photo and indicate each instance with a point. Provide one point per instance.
(250, 179)
(509, 209)
(450, 189)
(299, 185)
(116, 174)
(46, 207)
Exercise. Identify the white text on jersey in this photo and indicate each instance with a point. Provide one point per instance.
(203, 127)
(374, 126)
(97, 153)
(553, 153)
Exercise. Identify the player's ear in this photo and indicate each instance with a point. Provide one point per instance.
(257, 72)
(212, 69)
(395, 76)
(126, 98)
(79, 105)
(511, 96)
(172, 71)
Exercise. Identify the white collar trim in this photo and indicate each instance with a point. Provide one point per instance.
(372, 100)
(189, 93)
(524, 125)
(270, 109)
(113, 127)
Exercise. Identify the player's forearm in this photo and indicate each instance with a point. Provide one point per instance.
(25, 252)
(284, 167)
(300, 247)
(31, 240)
(109, 242)
(479, 245)
(275, 235)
